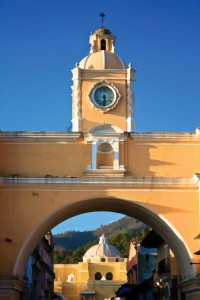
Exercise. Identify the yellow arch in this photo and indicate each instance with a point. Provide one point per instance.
(133, 209)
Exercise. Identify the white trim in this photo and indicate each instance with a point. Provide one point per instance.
(40, 143)
(165, 135)
(102, 78)
(116, 155)
(105, 129)
(123, 71)
(39, 135)
(94, 155)
(104, 58)
(136, 189)
(167, 143)
(132, 181)
(189, 136)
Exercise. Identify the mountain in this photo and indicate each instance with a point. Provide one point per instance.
(71, 240)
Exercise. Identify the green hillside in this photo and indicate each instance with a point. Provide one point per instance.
(121, 241)
(70, 246)
(71, 240)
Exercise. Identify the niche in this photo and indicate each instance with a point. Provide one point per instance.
(105, 156)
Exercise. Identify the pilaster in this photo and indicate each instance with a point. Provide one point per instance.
(76, 101)
(130, 100)
(191, 288)
(11, 287)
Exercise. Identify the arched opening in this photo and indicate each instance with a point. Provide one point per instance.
(98, 276)
(103, 44)
(109, 276)
(126, 207)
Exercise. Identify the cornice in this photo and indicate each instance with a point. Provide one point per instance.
(166, 135)
(133, 182)
(196, 178)
(43, 135)
(123, 71)
(70, 135)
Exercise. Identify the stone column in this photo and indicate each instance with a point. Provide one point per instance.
(11, 287)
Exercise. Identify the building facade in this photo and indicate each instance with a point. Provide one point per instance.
(97, 277)
(39, 275)
(141, 265)
(166, 273)
(101, 165)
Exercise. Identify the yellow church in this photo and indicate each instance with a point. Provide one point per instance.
(98, 277)
(101, 165)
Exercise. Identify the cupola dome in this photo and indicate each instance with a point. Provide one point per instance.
(103, 31)
(102, 53)
(102, 252)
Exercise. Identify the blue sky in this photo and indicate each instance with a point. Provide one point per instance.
(41, 41)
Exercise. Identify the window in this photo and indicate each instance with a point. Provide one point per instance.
(97, 276)
(71, 277)
(103, 45)
(109, 276)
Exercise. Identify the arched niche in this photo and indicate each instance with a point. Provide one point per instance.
(106, 142)
(105, 156)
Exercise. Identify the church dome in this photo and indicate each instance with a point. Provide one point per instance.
(102, 60)
(103, 31)
(102, 250)
(102, 53)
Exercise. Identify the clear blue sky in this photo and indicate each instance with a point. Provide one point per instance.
(41, 40)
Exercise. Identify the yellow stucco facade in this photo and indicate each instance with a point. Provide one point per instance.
(83, 285)
(98, 277)
(102, 164)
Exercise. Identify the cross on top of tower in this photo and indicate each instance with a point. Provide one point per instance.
(102, 15)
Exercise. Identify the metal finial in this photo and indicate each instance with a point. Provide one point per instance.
(102, 15)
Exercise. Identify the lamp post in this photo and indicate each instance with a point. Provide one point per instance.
(196, 263)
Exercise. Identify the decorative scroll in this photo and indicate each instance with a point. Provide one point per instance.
(76, 103)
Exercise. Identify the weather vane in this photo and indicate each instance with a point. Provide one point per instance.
(102, 15)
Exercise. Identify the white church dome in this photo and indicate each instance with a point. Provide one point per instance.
(102, 53)
(102, 251)
(102, 60)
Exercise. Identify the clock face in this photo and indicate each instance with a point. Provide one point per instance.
(103, 96)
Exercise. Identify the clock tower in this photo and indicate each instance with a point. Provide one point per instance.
(103, 102)
(102, 87)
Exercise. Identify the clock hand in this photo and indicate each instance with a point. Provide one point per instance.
(104, 100)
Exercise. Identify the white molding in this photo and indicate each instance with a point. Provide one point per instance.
(198, 131)
(166, 135)
(128, 180)
(196, 178)
(105, 136)
(123, 71)
(76, 100)
(104, 128)
(94, 155)
(43, 135)
(130, 101)
(103, 78)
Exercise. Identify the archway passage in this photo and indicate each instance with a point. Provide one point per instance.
(126, 207)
